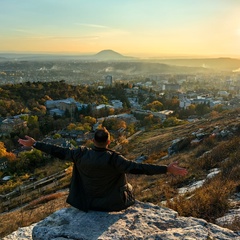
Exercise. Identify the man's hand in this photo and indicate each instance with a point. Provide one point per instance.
(28, 142)
(176, 170)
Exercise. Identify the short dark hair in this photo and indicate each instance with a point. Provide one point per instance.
(101, 135)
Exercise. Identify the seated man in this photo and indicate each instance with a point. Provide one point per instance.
(99, 174)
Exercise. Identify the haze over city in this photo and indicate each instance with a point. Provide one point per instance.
(136, 28)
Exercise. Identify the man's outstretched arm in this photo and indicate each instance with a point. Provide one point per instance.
(54, 150)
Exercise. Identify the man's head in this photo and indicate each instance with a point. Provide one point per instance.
(101, 137)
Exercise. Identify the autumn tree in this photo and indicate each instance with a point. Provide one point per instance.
(131, 128)
(154, 106)
(4, 154)
(89, 119)
(172, 104)
(114, 124)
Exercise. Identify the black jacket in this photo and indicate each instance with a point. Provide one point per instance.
(99, 176)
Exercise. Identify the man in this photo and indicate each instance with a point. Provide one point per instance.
(99, 174)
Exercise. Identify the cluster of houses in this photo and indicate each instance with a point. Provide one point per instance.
(186, 101)
(59, 107)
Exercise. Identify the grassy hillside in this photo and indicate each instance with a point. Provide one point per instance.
(217, 149)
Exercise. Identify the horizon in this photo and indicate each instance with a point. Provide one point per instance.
(153, 29)
(62, 54)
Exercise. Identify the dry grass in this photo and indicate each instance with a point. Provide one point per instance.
(34, 212)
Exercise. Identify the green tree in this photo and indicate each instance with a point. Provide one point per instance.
(131, 128)
(202, 109)
(32, 122)
(172, 121)
(56, 136)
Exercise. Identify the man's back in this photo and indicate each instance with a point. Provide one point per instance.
(100, 184)
(98, 173)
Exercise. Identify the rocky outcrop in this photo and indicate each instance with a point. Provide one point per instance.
(141, 221)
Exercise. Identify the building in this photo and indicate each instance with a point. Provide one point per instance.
(171, 87)
(184, 102)
(59, 107)
(9, 125)
(223, 93)
(117, 104)
(161, 115)
(108, 80)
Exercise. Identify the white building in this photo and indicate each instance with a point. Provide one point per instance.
(101, 106)
(223, 93)
(117, 104)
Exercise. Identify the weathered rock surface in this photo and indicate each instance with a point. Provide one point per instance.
(141, 221)
(23, 233)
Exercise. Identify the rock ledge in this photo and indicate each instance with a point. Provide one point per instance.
(141, 221)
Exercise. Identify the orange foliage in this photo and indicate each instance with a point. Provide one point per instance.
(4, 154)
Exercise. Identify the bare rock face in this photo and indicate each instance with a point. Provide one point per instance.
(141, 221)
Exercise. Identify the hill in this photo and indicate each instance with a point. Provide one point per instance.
(135, 67)
(217, 148)
(110, 55)
(161, 139)
(104, 55)
(224, 64)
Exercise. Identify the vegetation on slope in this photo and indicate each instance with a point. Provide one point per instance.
(213, 151)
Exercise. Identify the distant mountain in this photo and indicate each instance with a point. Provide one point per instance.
(110, 55)
(141, 68)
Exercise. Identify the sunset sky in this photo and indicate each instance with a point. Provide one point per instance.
(142, 28)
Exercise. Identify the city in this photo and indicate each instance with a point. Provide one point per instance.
(64, 101)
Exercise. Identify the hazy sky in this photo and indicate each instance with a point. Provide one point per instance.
(147, 28)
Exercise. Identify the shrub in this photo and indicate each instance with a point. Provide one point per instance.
(217, 155)
(231, 168)
(9, 186)
(208, 202)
